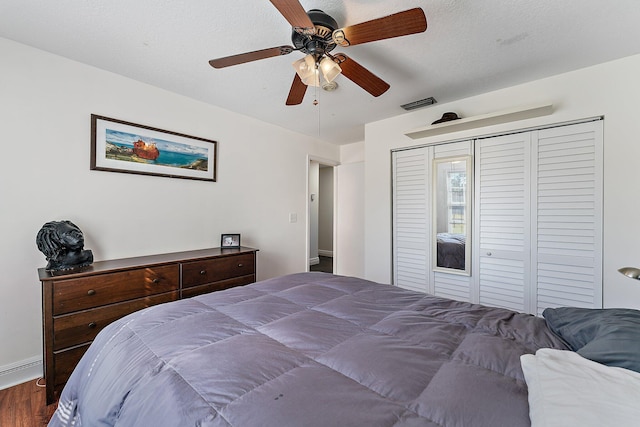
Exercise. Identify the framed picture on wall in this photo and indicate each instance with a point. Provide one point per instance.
(229, 241)
(119, 146)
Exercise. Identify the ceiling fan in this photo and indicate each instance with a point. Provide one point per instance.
(316, 34)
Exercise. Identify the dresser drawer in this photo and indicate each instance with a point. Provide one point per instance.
(197, 273)
(81, 327)
(217, 286)
(94, 291)
(65, 362)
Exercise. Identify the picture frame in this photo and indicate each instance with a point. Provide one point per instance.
(121, 146)
(228, 241)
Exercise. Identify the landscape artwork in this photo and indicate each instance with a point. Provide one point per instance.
(120, 146)
(140, 148)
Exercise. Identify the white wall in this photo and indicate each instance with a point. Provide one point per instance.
(609, 89)
(352, 153)
(349, 218)
(45, 107)
(349, 177)
(350, 211)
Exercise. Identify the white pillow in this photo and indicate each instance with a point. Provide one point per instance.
(566, 390)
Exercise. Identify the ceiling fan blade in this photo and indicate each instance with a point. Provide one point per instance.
(410, 21)
(293, 12)
(361, 76)
(251, 56)
(297, 91)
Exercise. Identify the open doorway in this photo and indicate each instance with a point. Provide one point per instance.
(321, 221)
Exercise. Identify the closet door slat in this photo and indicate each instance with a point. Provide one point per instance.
(568, 217)
(410, 219)
(503, 223)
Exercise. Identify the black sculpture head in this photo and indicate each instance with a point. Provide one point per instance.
(62, 243)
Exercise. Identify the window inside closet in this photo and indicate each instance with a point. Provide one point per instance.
(534, 221)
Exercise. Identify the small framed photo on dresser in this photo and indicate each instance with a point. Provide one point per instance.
(229, 241)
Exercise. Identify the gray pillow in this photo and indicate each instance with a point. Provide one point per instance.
(609, 336)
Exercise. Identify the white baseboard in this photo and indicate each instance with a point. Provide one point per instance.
(323, 252)
(314, 261)
(20, 372)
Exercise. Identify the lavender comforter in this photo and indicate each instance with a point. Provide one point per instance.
(309, 349)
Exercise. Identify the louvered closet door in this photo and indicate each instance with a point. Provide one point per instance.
(568, 217)
(502, 229)
(410, 218)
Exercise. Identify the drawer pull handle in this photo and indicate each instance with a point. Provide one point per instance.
(91, 292)
(156, 281)
(92, 325)
(240, 265)
(203, 272)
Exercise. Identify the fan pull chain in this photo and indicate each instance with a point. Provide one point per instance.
(315, 87)
(315, 95)
(317, 104)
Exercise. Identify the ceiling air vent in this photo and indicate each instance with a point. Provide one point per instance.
(419, 104)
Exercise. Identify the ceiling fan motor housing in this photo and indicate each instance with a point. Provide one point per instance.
(321, 42)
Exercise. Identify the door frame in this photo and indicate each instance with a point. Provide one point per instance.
(332, 164)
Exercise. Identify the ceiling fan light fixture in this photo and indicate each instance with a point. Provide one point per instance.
(330, 69)
(312, 79)
(307, 70)
(305, 67)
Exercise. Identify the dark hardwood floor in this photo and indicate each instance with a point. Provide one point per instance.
(24, 406)
(325, 265)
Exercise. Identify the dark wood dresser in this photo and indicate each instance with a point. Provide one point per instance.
(76, 305)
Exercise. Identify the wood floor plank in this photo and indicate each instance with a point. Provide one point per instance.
(24, 405)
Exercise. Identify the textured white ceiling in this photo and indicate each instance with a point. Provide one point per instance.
(470, 47)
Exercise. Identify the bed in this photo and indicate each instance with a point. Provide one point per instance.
(309, 349)
(451, 250)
